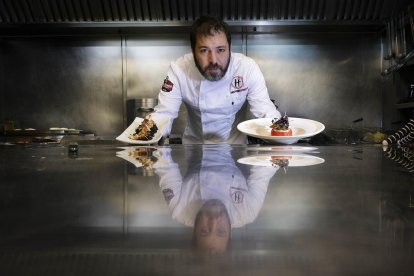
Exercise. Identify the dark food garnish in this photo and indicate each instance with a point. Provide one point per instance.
(144, 156)
(283, 163)
(280, 124)
(145, 131)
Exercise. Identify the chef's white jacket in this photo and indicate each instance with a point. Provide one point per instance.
(213, 106)
(215, 177)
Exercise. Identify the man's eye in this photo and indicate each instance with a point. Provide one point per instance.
(221, 232)
(203, 51)
(204, 232)
(221, 50)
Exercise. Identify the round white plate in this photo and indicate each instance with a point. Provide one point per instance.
(301, 128)
(295, 160)
(282, 148)
(124, 137)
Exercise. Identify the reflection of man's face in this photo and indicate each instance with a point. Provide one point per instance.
(212, 227)
(212, 55)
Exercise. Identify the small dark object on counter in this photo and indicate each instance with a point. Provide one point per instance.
(73, 149)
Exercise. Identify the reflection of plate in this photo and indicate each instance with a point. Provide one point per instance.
(282, 148)
(139, 156)
(301, 128)
(269, 160)
(124, 137)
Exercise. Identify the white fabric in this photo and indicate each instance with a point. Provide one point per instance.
(216, 177)
(212, 106)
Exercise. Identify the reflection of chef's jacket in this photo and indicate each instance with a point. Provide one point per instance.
(217, 177)
(212, 105)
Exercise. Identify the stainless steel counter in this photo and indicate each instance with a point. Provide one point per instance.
(109, 210)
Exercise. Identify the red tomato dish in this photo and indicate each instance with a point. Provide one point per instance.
(277, 132)
(280, 127)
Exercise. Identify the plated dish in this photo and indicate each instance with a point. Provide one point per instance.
(301, 128)
(125, 136)
(281, 160)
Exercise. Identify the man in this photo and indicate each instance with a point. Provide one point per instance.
(214, 84)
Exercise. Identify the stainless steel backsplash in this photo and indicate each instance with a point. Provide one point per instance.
(83, 82)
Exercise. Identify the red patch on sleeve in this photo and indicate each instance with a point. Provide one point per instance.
(167, 86)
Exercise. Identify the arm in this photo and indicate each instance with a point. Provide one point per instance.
(253, 199)
(258, 97)
(170, 179)
(169, 98)
(258, 180)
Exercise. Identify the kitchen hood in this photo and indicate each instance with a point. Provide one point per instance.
(16, 15)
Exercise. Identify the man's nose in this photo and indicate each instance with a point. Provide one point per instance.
(212, 58)
(212, 223)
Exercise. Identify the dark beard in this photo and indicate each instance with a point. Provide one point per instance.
(207, 75)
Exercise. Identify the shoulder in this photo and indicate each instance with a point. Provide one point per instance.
(241, 61)
(183, 65)
(241, 58)
(184, 61)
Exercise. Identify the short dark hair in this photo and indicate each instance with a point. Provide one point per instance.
(208, 25)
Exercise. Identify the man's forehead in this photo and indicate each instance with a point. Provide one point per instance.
(215, 37)
(211, 32)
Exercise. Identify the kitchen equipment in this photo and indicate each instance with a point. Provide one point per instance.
(51, 135)
(8, 126)
(140, 108)
(389, 41)
(402, 47)
(411, 92)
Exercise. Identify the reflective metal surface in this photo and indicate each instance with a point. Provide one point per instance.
(131, 210)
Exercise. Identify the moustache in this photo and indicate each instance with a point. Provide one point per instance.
(214, 66)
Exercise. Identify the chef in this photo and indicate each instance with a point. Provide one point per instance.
(214, 84)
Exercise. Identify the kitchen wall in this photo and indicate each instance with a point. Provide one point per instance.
(332, 78)
(62, 82)
(84, 81)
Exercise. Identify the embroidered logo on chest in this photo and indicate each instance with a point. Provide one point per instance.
(237, 197)
(237, 82)
(237, 85)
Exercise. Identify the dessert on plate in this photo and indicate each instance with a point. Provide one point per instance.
(280, 127)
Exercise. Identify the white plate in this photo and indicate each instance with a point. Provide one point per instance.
(124, 137)
(284, 148)
(301, 128)
(295, 160)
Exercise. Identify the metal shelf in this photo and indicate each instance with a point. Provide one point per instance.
(405, 105)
